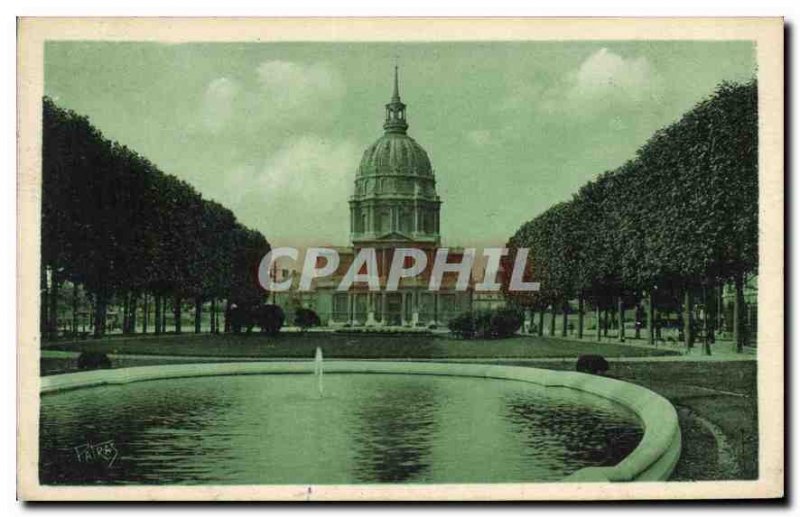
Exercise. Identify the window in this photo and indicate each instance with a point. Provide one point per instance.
(406, 222)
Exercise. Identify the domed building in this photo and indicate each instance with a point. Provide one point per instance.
(394, 197)
(394, 205)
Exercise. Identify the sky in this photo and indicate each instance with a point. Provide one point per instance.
(275, 131)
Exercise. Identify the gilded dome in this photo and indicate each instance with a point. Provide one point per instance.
(395, 153)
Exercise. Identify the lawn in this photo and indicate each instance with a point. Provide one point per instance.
(351, 346)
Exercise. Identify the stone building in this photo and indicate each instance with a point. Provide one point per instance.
(394, 205)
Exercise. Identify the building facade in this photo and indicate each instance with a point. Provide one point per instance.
(394, 205)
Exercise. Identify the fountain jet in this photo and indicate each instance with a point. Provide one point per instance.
(318, 370)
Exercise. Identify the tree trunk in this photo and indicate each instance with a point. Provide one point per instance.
(44, 303)
(706, 342)
(125, 314)
(580, 317)
(226, 315)
(74, 309)
(597, 322)
(157, 321)
(164, 314)
(52, 326)
(605, 322)
(145, 315)
(564, 310)
(531, 318)
(198, 314)
(212, 314)
(651, 318)
(176, 310)
(100, 316)
(214, 329)
(638, 317)
(738, 309)
(621, 319)
(132, 308)
(711, 329)
(540, 329)
(688, 338)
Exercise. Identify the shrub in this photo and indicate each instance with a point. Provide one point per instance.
(490, 324)
(463, 325)
(270, 318)
(93, 361)
(592, 363)
(306, 318)
(505, 322)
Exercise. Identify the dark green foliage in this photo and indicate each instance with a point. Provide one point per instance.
(681, 216)
(269, 318)
(463, 325)
(306, 318)
(115, 224)
(487, 324)
(93, 361)
(591, 363)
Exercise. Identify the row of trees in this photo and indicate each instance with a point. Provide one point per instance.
(671, 226)
(131, 235)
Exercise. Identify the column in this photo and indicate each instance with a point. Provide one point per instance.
(352, 219)
(383, 309)
(371, 309)
(404, 301)
(414, 308)
(350, 307)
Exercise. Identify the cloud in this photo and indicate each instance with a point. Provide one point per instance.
(283, 178)
(295, 92)
(276, 96)
(218, 103)
(479, 137)
(299, 192)
(605, 74)
(604, 82)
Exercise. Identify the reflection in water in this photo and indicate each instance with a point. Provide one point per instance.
(393, 438)
(585, 429)
(258, 429)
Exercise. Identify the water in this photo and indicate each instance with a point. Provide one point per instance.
(369, 428)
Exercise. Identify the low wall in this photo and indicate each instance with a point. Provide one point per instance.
(652, 460)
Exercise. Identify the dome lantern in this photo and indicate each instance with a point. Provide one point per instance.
(395, 110)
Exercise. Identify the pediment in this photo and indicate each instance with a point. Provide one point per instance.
(394, 236)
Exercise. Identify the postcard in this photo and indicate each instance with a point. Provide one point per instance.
(400, 259)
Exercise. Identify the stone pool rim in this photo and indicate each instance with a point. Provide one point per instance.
(653, 459)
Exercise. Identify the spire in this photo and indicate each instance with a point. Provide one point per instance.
(396, 95)
(395, 110)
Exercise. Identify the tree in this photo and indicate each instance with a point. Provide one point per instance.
(116, 225)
